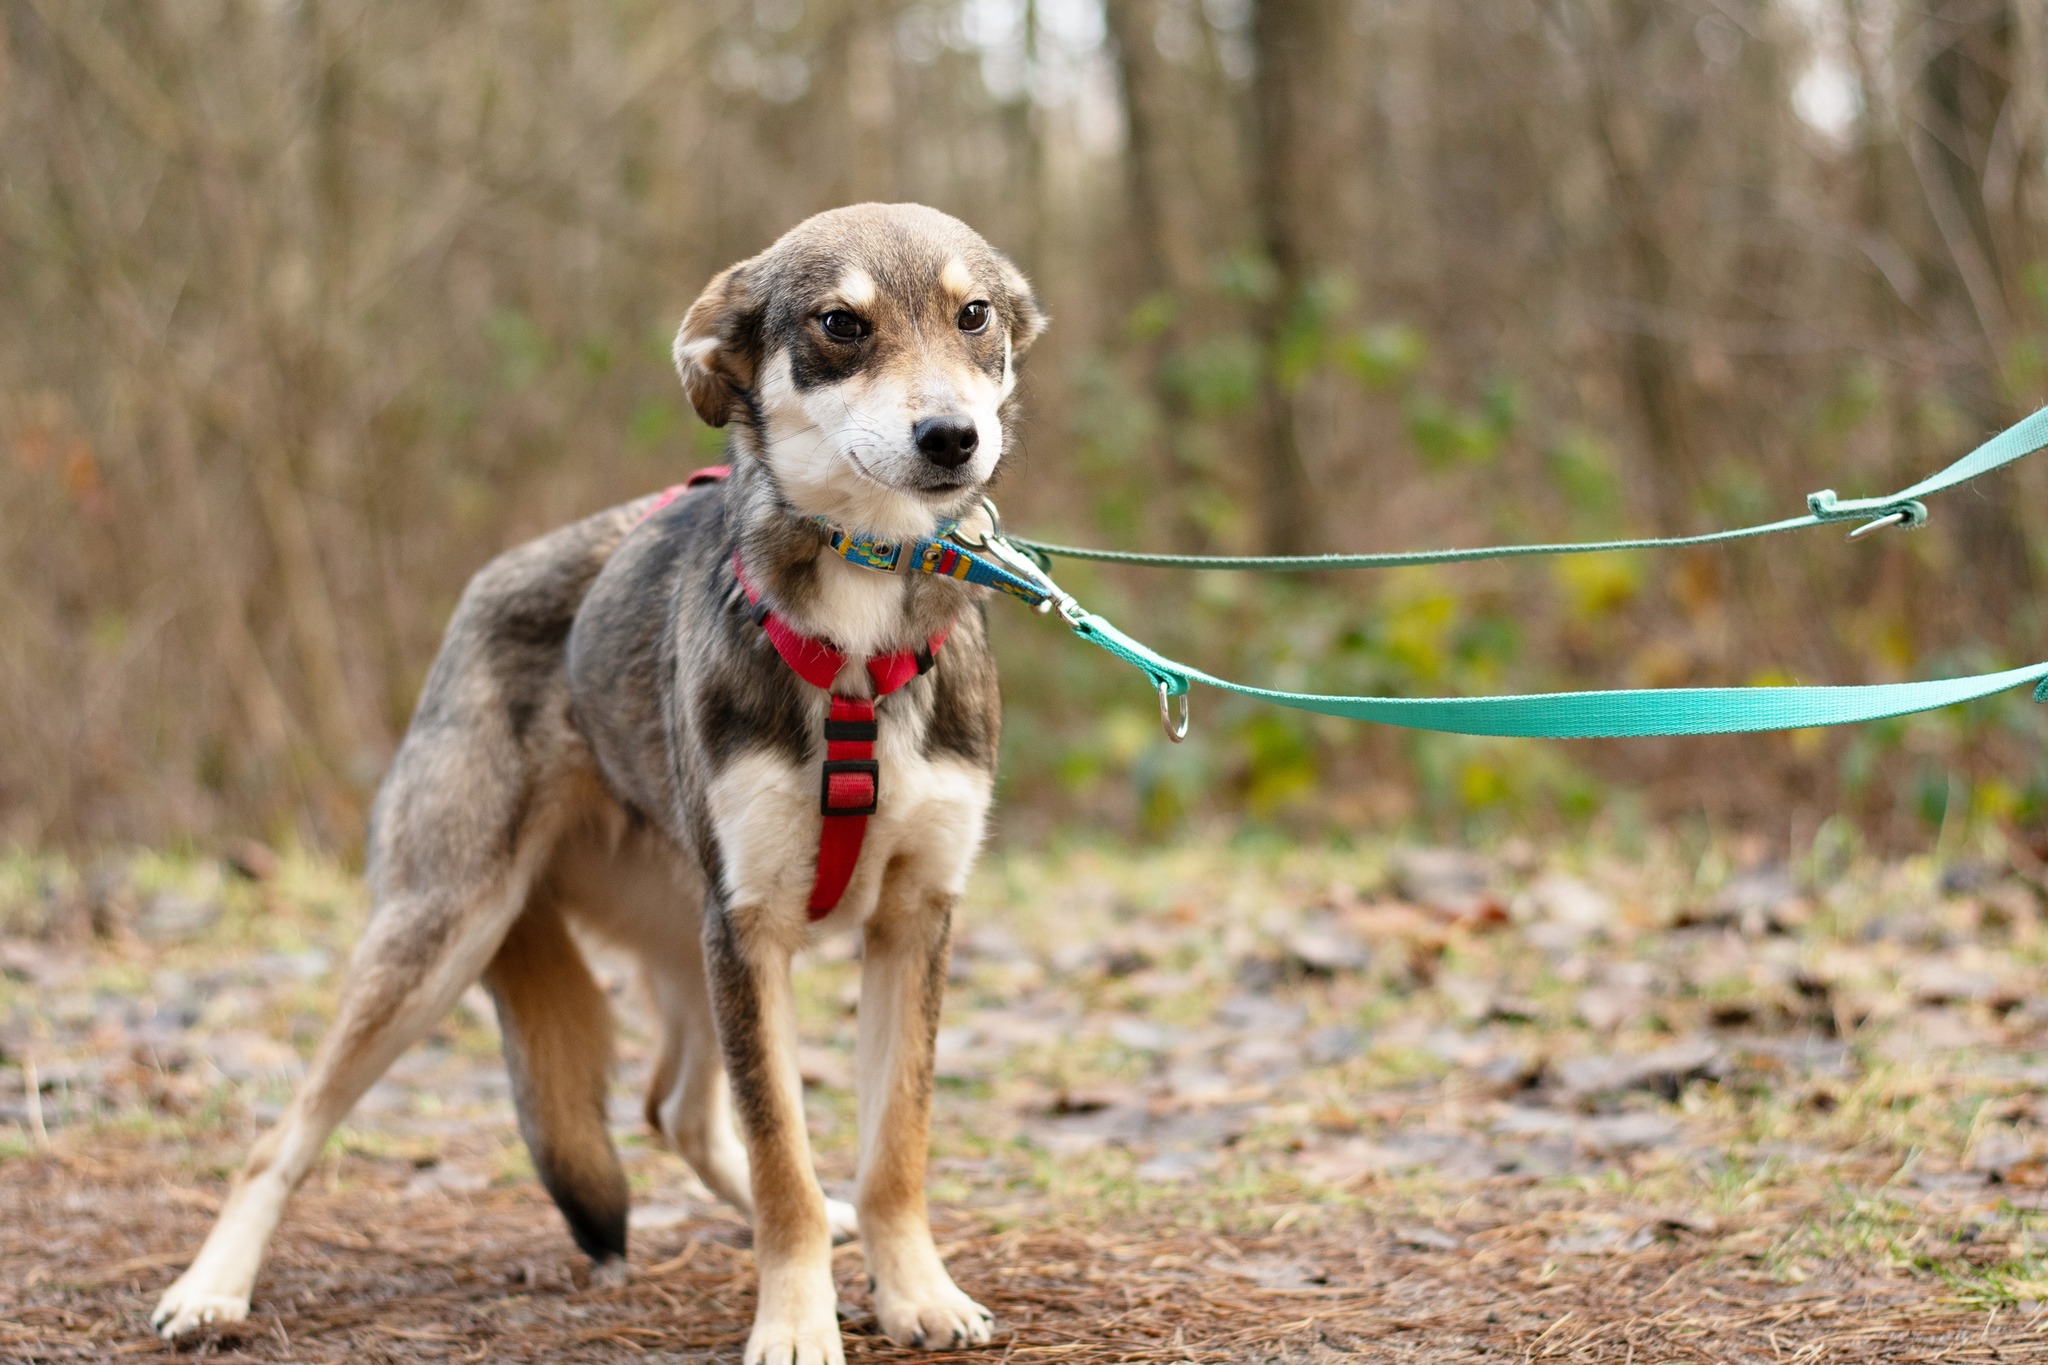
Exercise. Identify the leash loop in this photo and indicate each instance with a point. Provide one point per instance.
(1875, 513)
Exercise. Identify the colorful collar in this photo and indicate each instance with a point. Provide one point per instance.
(982, 558)
(978, 556)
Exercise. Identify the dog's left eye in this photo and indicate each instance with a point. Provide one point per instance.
(841, 325)
(974, 317)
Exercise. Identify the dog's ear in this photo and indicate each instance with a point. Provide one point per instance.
(717, 349)
(1021, 310)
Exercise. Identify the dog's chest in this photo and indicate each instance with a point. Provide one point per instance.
(864, 609)
(928, 823)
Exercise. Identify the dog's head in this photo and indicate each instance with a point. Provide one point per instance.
(868, 355)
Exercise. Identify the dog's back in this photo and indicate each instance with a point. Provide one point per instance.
(493, 714)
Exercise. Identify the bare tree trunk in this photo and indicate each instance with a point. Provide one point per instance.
(1960, 102)
(281, 432)
(134, 335)
(1289, 99)
(1892, 289)
(2028, 201)
(1169, 253)
(1630, 153)
(863, 68)
(1167, 256)
(1936, 140)
(1402, 79)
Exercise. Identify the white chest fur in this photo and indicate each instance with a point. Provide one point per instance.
(859, 610)
(927, 828)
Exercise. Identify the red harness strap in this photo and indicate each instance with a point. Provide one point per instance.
(850, 787)
(710, 473)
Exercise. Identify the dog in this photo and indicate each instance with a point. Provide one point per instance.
(617, 735)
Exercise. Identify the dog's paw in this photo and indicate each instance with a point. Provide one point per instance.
(843, 1219)
(935, 1317)
(187, 1309)
(795, 1343)
(610, 1273)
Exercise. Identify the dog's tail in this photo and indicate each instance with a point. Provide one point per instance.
(558, 1047)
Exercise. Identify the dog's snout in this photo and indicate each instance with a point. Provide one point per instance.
(947, 442)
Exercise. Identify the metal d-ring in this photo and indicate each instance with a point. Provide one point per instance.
(1175, 732)
(976, 542)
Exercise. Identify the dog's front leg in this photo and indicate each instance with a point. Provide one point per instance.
(903, 983)
(747, 953)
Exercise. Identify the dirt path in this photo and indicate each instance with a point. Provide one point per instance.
(1221, 1105)
(366, 1271)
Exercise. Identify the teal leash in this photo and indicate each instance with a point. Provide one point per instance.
(1904, 509)
(981, 554)
(1626, 714)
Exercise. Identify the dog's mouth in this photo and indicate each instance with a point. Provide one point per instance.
(932, 487)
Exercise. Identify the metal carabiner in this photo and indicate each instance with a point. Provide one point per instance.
(1022, 566)
(1174, 732)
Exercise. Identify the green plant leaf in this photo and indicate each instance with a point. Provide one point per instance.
(1217, 375)
(1384, 356)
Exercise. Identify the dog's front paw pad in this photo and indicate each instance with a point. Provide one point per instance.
(183, 1313)
(793, 1345)
(940, 1319)
(842, 1218)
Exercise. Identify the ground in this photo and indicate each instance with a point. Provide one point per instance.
(1238, 1100)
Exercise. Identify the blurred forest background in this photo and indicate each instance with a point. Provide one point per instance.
(308, 307)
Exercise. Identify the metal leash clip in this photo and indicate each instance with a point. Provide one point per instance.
(1176, 729)
(966, 532)
(992, 543)
(969, 534)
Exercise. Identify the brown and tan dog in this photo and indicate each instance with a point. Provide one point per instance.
(610, 738)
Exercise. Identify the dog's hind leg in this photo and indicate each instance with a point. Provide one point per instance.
(558, 1046)
(689, 1100)
(420, 951)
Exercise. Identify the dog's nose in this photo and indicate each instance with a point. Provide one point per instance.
(947, 442)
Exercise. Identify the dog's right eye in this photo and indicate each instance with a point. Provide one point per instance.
(841, 325)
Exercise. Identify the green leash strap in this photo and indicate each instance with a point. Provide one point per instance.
(1583, 715)
(1903, 508)
(1579, 715)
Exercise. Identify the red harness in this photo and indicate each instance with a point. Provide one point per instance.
(850, 786)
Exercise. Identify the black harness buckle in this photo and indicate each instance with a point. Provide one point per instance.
(833, 766)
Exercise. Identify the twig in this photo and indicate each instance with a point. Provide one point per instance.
(1530, 1353)
(35, 1103)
